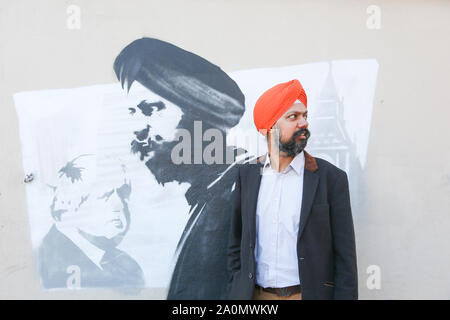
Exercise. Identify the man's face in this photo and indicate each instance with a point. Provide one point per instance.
(102, 213)
(156, 123)
(293, 130)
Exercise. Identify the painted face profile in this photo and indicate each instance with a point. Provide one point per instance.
(158, 120)
(95, 207)
(183, 89)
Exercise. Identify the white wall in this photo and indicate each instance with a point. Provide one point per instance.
(403, 227)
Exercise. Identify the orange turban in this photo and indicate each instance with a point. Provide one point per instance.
(274, 102)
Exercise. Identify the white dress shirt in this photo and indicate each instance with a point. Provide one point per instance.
(277, 221)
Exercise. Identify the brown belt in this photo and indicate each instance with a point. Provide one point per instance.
(282, 292)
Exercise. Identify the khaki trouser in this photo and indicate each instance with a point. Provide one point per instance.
(260, 294)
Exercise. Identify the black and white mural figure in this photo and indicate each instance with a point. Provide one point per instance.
(179, 125)
(211, 103)
(90, 219)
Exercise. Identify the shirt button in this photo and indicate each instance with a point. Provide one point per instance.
(250, 275)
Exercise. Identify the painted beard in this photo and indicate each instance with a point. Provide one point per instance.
(293, 147)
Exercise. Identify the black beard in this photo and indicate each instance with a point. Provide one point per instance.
(293, 147)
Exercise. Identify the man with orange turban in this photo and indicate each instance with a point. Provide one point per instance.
(292, 234)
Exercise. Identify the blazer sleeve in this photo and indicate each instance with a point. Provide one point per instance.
(345, 266)
(234, 241)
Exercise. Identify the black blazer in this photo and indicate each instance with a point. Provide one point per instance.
(326, 241)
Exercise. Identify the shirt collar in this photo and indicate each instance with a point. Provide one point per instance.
(298, 163)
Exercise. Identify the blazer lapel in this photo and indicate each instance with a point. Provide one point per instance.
(310, 182)
(254, 182)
